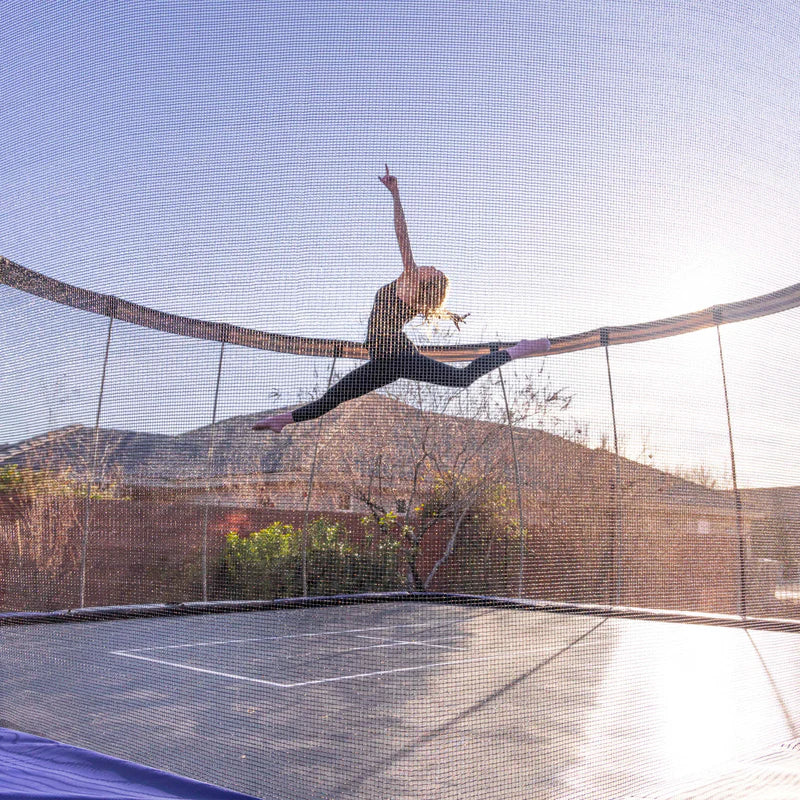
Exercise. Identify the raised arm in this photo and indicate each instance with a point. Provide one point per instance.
(400, 227)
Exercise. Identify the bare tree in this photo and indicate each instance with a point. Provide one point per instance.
(438, 459)
(701, 475)
(44, 513)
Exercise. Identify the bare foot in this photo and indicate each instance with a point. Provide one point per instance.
(275, 423)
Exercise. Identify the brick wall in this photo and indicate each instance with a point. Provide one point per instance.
(145, 551)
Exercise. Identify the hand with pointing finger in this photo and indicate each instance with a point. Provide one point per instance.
(389, 181)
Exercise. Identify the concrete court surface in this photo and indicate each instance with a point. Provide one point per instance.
(420, 700)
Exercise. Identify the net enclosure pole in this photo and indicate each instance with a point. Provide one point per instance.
(737, 497)
(616, 502)
(35, 283)
(311, 474)
(210, 464)
(93, 465)
(520, 528)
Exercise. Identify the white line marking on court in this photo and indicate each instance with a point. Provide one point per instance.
(365, 647)
(396, 642)
(277, 638)
(335, 679)
(433, 665)
(214, 672)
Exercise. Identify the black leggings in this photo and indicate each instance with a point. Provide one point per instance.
(409, 364)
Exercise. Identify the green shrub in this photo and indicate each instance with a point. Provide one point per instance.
(269, 563)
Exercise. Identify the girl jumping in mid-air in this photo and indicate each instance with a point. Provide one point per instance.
(392, 355)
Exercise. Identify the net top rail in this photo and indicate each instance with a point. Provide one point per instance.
(35, 283)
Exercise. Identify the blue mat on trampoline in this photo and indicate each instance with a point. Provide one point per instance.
(32, 768)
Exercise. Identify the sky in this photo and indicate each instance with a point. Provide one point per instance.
(568, 164)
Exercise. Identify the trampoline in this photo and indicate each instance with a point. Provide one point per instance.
(357, 700)
(577, 577)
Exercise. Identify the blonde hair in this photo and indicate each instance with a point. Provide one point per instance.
(430, 299)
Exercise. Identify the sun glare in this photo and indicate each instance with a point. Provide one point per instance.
(701, 279)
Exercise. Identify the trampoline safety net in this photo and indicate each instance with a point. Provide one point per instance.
(575, 574)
